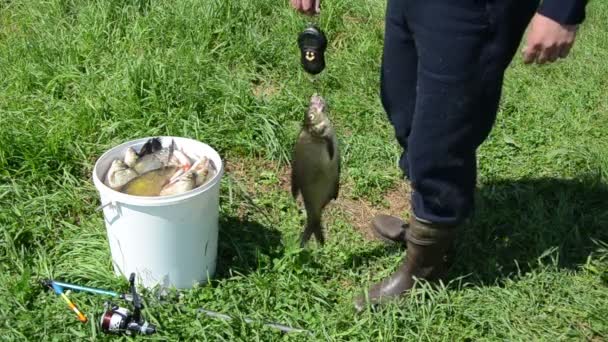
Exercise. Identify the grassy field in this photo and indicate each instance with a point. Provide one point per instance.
(79, 77)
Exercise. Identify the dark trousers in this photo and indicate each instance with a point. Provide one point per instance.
(441, 81)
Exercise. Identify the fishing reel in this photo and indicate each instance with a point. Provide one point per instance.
(118, 320)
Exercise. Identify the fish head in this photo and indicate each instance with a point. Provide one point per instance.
(186, 181)
(131, 157)
(119, 174)
(316, 120)
(188, 177)
(118, 165)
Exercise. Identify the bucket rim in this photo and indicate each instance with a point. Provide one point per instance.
(117, 196)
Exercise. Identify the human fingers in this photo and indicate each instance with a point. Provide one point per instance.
(548, 54)
(307, 5)
(530, 53)
(565, 50)
(296, 4)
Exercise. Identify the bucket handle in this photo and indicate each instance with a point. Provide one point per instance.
(113, 206)
(99, 208)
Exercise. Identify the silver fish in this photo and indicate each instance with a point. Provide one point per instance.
(203, 171)
(147, 163)
(315, 167)
(151, 157)
(131, 157)
(119, 174)
(185, 183)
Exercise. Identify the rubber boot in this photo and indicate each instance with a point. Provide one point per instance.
(427, 248)
(389, 229)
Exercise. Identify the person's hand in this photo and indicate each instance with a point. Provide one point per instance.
(309, 7)
(548, 40)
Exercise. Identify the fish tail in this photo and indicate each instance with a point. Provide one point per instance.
(151, 146)
(319, 235)
(305, 237)
(313, 226)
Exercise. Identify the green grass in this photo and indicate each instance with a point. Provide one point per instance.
(79, 77)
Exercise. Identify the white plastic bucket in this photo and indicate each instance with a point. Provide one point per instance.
(170, 241)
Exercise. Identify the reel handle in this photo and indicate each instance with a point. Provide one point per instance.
(136, 301)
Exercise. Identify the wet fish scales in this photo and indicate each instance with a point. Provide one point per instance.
(315, 168)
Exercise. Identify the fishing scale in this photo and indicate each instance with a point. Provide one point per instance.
(312, 43)
(115, 319)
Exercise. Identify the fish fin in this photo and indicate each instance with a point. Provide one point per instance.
(337, 184)
(319, 236)
(333, 153)
(306, 234)
(313, 226)
(171, 150)
(151, 146)
(336, 190)
(295, 189)
(330, 147)
(309, 231)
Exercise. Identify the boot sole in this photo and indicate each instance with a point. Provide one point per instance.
(385, 239)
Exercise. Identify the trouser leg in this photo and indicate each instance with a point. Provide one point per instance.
(463, 49)
(446, 183)
(398, 76)
(398, 95)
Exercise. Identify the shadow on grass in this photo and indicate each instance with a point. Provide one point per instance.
(244, 246)
(358, 260)
(518, 221)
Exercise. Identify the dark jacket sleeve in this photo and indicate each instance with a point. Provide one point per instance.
(565, 12)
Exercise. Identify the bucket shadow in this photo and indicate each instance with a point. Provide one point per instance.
(245, 246)
(518, 223)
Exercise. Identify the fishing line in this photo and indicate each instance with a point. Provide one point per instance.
(312, 43)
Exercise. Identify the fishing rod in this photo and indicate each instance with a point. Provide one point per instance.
(75, 287)
(281, 327)
(58, 289)
(120, 320)
(115, 319)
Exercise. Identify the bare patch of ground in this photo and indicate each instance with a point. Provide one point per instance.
(264, 89)
(250, 173)
(357, 211)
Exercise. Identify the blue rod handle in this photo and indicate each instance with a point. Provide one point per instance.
(85, 288)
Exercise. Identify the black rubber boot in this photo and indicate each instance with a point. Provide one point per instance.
(427, 248)
(389, 229)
